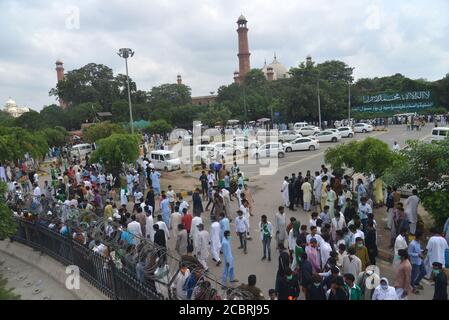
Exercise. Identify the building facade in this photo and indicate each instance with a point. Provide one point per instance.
(13, 109)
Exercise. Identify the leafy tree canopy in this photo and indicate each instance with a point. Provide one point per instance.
(116, 150)
(370, 156)
(159, 126)
(101, 130)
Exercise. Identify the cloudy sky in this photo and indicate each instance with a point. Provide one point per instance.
(198, 39)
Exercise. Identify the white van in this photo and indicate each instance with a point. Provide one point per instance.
(440, 133)
(299, 125)
(80, 151)
(165, 160)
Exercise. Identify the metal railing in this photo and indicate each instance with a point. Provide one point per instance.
(99, 271)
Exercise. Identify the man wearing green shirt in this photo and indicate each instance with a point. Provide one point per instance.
(354, 291)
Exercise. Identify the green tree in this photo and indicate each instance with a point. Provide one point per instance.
(55, 137)
(159, 126)
(54, 116)
(8, 225)
(6, 119)
(91, 83)
(31, 120)
(425, 166)
(82, 113)
(101, 130)
(117, 150)
(171, 94)
(16, 142)
(370, 156)
(216, 114)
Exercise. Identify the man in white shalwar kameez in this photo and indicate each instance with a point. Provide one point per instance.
(175, 220)
(280, 226)
(194, 231)
(215, 241)
(149, 230)
(202, 251)
(317, 184)
(226, 195)
(436, 248)
(285, 195)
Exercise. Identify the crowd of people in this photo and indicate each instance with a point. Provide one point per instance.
(331, 255)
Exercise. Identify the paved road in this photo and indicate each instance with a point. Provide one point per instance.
(268, 197)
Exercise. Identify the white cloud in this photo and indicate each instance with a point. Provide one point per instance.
(198, 39)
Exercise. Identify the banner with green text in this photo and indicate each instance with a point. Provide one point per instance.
(396, 102)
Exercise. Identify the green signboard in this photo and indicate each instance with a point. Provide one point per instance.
(395, 102)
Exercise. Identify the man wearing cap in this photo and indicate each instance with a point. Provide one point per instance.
(202, 251)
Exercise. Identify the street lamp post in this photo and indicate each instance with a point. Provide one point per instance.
(244, 102)
(349, 102)
(319, 104)
(126, 53)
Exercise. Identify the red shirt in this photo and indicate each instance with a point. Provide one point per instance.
(187, 221)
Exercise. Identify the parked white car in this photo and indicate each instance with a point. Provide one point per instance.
(302, 144)
(288, 135)
(363, 128)
(328, 136)
(243, 142)
(227, 149)
(346, 132)
(269, 150)
(307, 131)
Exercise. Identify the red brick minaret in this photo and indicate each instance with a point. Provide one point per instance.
(244, 65)
(60, 77)
(179, 79)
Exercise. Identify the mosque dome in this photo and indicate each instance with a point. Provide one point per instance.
(14, 110)
(242, 18)
(10, 103)
(279, 70)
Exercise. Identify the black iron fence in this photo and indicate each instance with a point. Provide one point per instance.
(101, 272)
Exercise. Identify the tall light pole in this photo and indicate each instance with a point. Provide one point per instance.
(319, 104)
(126, 53)
(349, 102)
